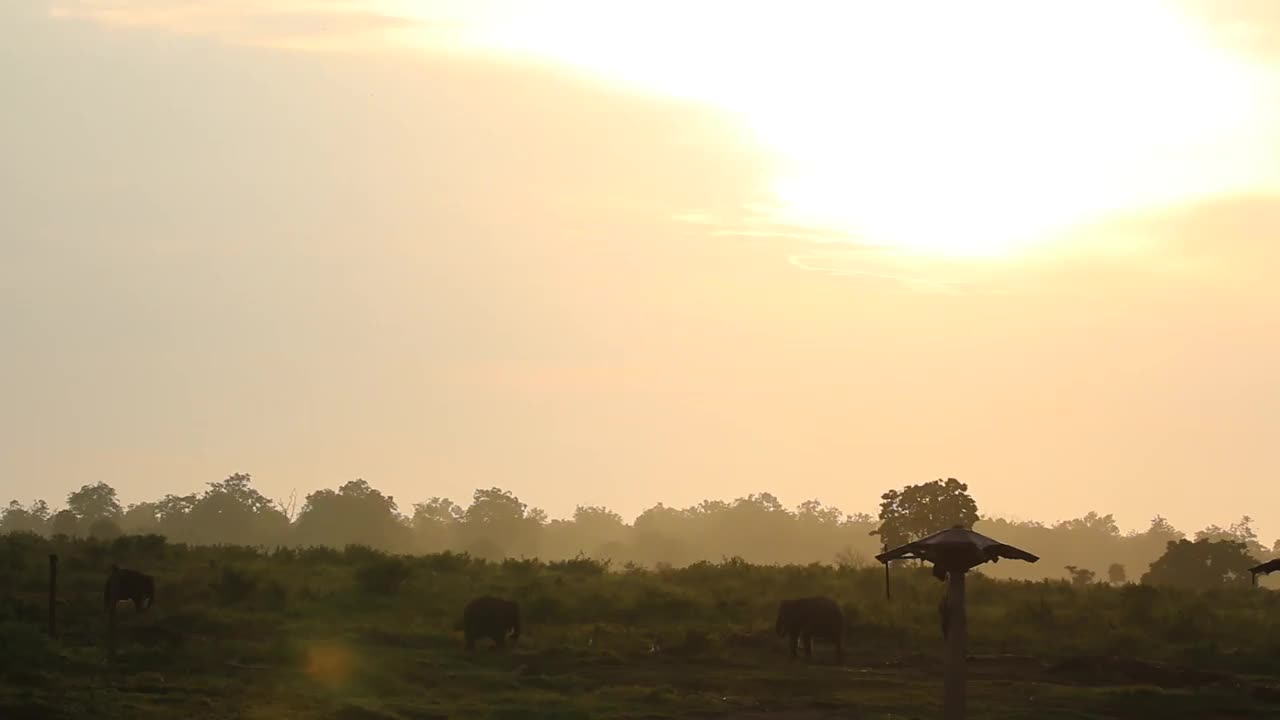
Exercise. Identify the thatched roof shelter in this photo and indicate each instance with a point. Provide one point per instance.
(956, 548)
(953, 553)
(1265, 568)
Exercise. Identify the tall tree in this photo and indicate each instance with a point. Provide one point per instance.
(1080, 577)
(1091, 523)
(1163, 529)
(93, 502)
(1241, 531)
(1116, 574)
(354, 514)
(140, 518)
(1202, 565)
(920, 510)
(435, 524)
(64, 522)
(497, 524)
(34, 518)
(813, 511)
(230, 511)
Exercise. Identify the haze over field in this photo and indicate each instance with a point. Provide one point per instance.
(611, 254)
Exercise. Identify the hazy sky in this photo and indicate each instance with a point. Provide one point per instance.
(622, 253)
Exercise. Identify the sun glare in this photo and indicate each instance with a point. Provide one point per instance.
(962, 129)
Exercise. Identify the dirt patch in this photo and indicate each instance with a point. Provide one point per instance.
(1130, 671)
(31, 710)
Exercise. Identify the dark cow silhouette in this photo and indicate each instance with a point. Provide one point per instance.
(491, 617)
(810, 617)
(132, 585)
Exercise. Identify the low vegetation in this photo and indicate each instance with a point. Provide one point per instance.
(355, 633)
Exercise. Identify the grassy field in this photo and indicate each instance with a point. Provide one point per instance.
(354, 635)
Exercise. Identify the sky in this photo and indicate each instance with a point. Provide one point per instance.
(627, 253)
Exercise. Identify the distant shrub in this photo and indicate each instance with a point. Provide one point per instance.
(285, 554)
(521, 566)
(359, 554)
(580, 565)
(24, 647)
(235, 585)
(448, 562)
(665, 602)
(318, 554)
(104, 529)
(20, 547)
(148, 546)
(382, 575)
(544, 609)
(274, 595)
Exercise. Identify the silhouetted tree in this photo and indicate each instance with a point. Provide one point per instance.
(434, 524)
(94, 502)
(173, 514)
(1240, 532)
(355, 514)
(140, 519)
(1091, 523)
(661, 534)
(1116, 574)
(230, 511)
(921, 510)
(64, 522)
(104, 529)
(34, 518)
(498, 524)
(813, 511)
(1201, 565)
(1080, 577)
(598, 529)
(1161, 528)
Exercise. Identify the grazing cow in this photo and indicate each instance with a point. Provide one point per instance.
(491, 617)
(807, 618)
(131, 585)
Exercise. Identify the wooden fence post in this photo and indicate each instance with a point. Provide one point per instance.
(113, 599)
(53, 596)
(953, 707)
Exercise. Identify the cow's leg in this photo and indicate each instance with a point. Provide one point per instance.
(808, 645)
(795, 637)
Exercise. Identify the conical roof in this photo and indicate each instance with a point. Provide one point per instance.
(956, 548)
(1265, 568)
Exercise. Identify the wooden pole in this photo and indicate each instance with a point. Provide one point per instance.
(113, 600)
(953, 707)
(53, 596)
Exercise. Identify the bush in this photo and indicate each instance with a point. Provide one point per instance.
(104, 529)
(581, 565)
(448, 562)
(235, 585)
(24, 646)
(382, 575)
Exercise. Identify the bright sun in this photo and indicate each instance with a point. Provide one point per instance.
(973, 129)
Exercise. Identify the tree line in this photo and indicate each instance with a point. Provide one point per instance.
(756, 528)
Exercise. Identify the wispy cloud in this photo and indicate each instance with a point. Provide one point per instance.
(301, 24)
(837, 254)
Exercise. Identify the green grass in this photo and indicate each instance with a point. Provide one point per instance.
(357, 635)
